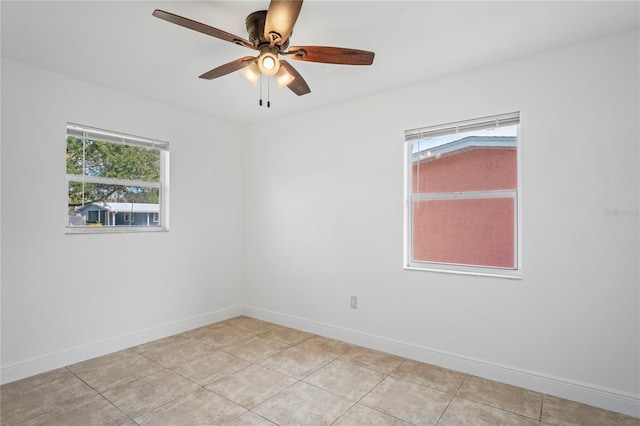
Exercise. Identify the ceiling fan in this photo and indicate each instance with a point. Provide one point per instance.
(269, 32)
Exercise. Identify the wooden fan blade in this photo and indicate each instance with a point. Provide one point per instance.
(298, 85)
(281, 17)
(331, 55)
(225, 69)
(202, 28)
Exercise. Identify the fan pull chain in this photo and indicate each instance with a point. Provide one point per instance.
(268, 92)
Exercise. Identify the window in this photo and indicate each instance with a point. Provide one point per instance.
(115, 182)
(462, 197)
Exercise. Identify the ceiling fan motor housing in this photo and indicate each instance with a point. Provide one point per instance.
(255, 28)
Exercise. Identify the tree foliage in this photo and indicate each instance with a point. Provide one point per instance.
(111, 160)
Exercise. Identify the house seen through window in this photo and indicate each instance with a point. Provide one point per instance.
(462, 197)
(115, 182)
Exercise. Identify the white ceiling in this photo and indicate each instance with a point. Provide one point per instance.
(119, 45)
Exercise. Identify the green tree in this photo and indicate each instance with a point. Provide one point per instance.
(111, 160)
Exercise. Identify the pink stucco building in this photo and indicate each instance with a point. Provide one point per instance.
(468, 216)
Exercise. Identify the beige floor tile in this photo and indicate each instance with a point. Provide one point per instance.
(218, 336)
(200, 331)
(256, 348)
(201, 407)
(114, 370)
(295, 362)
(464, 412)
(303, 404)
(411, 402)
(442, 379)
(160, 345)
(561, 412)
(327, 347)
(251, 386)
(345, 379)
(361, 415)
(250, 419)
(172, 354)
(259, 365)
(503, 396)
(20, 387)
(207, 367)
(251, 325)
(376, 360)
(95, 411)
(40, 396)
(150, 392)
(287, 335)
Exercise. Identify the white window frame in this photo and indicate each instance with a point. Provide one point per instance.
(87, 132)
(409, 197)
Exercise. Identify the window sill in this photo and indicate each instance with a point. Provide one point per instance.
(114, 229)
(512, 274)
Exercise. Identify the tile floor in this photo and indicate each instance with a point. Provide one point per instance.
(249, 372)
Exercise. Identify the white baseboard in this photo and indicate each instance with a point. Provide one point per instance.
(50, 362)
(608, 399)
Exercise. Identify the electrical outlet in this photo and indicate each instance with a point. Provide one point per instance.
(354, 302)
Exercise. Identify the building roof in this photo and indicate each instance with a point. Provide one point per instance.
(465, 144)
(124, 207)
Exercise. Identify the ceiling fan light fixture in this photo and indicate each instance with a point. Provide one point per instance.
(268, 63)
(284, 77)
(269, 32)
(252, 73)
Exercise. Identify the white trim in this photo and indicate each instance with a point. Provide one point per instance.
(80, 131)
(455, 269)
(518, 218)
(52, 361)
(164, 190)
(562, 387)
(112, 229)
(491, 122)
(470, 195)
(113, 181)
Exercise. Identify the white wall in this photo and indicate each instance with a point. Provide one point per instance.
(71, 297)
(323, 221)
(324, 214)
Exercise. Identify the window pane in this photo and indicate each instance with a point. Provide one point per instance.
(115, 180)
(112, 160)
(477, 231)
(464, 162)
(463, 187)
(93, 204)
